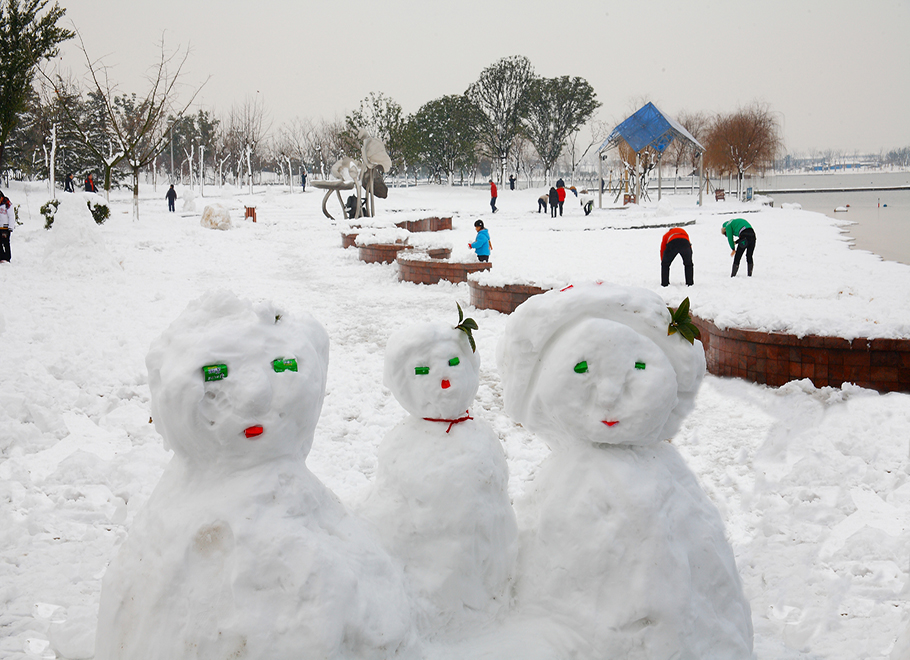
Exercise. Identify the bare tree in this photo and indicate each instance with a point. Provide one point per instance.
(748, 138)
(248, 125)
(138, 126)
(683, 152)
(577, 147)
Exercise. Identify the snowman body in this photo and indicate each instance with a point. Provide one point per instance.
(241, 552)
(618, 541)
(440, 499)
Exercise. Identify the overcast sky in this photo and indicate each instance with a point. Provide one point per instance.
(836, 71)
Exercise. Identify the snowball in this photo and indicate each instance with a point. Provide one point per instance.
(216, 216)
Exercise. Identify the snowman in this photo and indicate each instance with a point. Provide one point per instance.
(440, 499)
(619, 544)
(241, 552)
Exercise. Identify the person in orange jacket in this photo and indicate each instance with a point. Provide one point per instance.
(675, 241)
(493, 195)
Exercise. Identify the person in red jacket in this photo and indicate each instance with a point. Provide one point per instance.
(493, 195)
(90, 184)
(561, 196)
(675, 241)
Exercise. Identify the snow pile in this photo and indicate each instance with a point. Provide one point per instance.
(75, 241)
(189, 200)
(216, 216)
(383, 236)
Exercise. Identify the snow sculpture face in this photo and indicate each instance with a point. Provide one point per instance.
(603, 383)
(432, 370)
(235, 384)
(594, 363)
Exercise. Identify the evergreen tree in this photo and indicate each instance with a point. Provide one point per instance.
(26, 39)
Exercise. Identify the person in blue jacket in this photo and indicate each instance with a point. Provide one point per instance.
(482, 245)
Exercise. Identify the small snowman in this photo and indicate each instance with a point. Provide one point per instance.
(241, 552)
(618, 541)
(440, 499)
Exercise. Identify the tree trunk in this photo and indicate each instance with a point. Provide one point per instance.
(135, 192)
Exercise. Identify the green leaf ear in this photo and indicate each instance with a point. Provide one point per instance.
(681, 321)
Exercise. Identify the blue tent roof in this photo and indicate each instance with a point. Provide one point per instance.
(649, 127)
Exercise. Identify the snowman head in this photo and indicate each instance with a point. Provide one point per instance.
(594, 363)
(235, 384)
(432, 370)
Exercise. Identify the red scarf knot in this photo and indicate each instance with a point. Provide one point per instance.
(452, 422)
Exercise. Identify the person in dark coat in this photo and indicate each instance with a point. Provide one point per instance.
(171, 197)
(511, 182)
(90, 184)
(303, 178)
(68, 184)
(675, 242)
(7, 222)
(554, 202)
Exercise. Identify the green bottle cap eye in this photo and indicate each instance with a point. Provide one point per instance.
(639, 365)
(454, 362)
(214, 372)
(581, 368)
(284, 364)
(421, 371)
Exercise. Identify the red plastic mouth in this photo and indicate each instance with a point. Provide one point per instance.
(446, 384)
(611, 423)
(253, 431)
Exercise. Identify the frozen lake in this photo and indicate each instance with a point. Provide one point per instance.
(881, 217)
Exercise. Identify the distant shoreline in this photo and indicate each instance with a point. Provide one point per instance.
(790, 191)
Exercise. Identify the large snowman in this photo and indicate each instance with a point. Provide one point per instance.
(241, 552)
(440, 499)
(618, 541)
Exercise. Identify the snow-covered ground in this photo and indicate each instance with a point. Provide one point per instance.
(813, 485)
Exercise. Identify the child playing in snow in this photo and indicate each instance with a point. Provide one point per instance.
(482, 245)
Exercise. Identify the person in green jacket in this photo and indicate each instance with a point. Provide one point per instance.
(741, 232)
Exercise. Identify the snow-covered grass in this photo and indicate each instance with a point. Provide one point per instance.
(813, 485)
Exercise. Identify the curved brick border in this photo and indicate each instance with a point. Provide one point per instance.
(381, 253)
(427, 224)
(501, 298)
(430, 271)
(348, 238)
(774, 359)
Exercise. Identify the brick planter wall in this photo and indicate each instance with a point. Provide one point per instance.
(501, 298)
(430, 271)
(348, 238)
(774, 358)
(427, 224)
(381, 253)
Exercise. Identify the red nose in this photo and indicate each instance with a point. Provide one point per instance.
(446, 384)
(253, 431)
(611, 423)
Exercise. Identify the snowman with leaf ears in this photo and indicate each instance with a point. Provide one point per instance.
(617, 538)
(440, 500)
